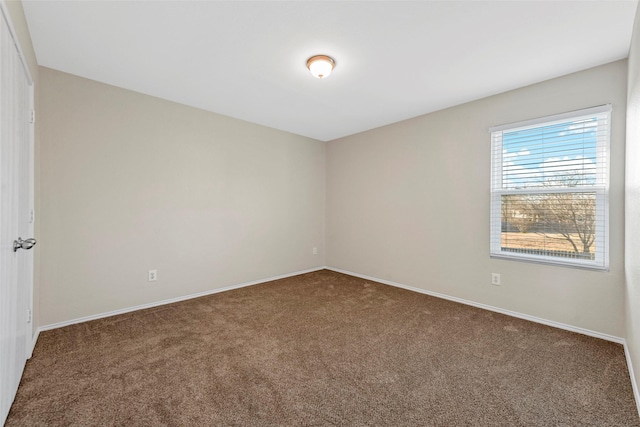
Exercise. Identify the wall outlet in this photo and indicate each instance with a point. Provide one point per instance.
(315, 251)
(495, 279)
(153, 276)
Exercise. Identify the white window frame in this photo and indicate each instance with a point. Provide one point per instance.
(601, 261)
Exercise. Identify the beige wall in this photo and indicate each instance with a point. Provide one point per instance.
(632, 203)
(20, 25)
(132, 183)
(409, 203)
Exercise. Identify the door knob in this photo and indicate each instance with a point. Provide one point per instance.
(23, 244)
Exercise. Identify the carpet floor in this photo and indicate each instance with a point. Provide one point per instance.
(322, 349)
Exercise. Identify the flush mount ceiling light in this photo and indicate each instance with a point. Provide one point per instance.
(320, 66)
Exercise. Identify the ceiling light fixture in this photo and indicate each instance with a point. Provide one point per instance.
(320, 66)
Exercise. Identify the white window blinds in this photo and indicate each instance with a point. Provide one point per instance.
(549, 189)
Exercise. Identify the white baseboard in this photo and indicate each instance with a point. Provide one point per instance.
(634, 384)
(488, 307)
(167, 301)
(34, 340)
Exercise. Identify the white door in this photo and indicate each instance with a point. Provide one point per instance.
(16, 219)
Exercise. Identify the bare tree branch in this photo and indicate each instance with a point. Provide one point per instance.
(553, 214)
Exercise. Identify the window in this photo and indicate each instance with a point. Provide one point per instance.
(549, 189)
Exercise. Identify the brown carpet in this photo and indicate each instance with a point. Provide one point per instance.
(322, 349)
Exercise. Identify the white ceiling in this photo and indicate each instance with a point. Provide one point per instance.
(395, 59)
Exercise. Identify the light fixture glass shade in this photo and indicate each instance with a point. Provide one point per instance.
(320, 66)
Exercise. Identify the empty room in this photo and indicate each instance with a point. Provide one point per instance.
(309, 213)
